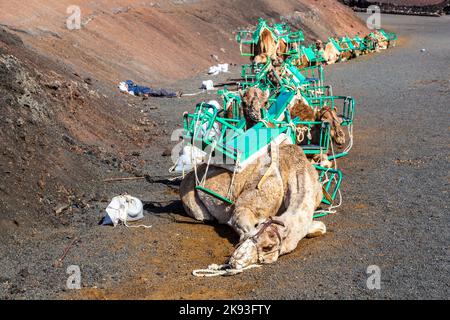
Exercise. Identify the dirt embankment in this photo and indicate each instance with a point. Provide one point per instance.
(164, 40)
(58, 136)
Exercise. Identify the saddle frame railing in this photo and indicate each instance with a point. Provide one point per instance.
(331, 180)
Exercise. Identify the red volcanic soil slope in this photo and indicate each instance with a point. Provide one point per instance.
(160, 41)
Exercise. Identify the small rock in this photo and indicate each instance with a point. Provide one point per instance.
(68, 139)
(59, 209)
(167, 153)
(20, 122)
(55, 85)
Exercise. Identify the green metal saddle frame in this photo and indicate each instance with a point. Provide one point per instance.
(280, 31)
(234, 142)
(337, 45)
(390, 36)
(330, 178)
(347, 42)
(361, 44)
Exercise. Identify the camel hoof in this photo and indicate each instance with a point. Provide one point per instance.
(316, 229)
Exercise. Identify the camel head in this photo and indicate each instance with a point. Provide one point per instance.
(253, 101)
(319, 45)
(328, 114)
(266, 44)
(263, 247)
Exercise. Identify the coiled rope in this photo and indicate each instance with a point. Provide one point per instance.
(215, 270)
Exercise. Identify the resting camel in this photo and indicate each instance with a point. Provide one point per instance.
(371, 42)
(253, 101)
(266, 44)
(383, 43)
(331, 54)
(288, 189)
(305, 112)
(346, 55)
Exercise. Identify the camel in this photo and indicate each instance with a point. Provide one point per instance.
(273, 207)
(275, 49)
(330, 53)
(371, 42)
(357, 51)
(305, 112)
(266, 44)
(383, 43)
(328, 114)
(253, 101)
(346, 55)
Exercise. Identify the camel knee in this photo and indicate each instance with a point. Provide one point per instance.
(316, 229)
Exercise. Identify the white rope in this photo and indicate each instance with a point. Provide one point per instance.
(265, 123)
(136, 226)
(350, 134)
(215, 270)
(300, 131)
(203, 181)
(332, 208)
(192, 94)
(197, 93)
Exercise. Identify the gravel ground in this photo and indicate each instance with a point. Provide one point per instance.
(394, 213)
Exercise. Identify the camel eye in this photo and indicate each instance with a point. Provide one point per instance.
(267, 248)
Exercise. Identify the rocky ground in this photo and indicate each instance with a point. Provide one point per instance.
(395, 189)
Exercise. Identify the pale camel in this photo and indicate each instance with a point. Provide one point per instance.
(289, 187)
(253, 101)
(331, 54)
(266, 44)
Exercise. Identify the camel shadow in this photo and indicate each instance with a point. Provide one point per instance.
(173, 210)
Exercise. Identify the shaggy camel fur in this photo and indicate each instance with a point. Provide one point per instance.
(290, 189)
(253, 101)
(330, 53)
(266, 44)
